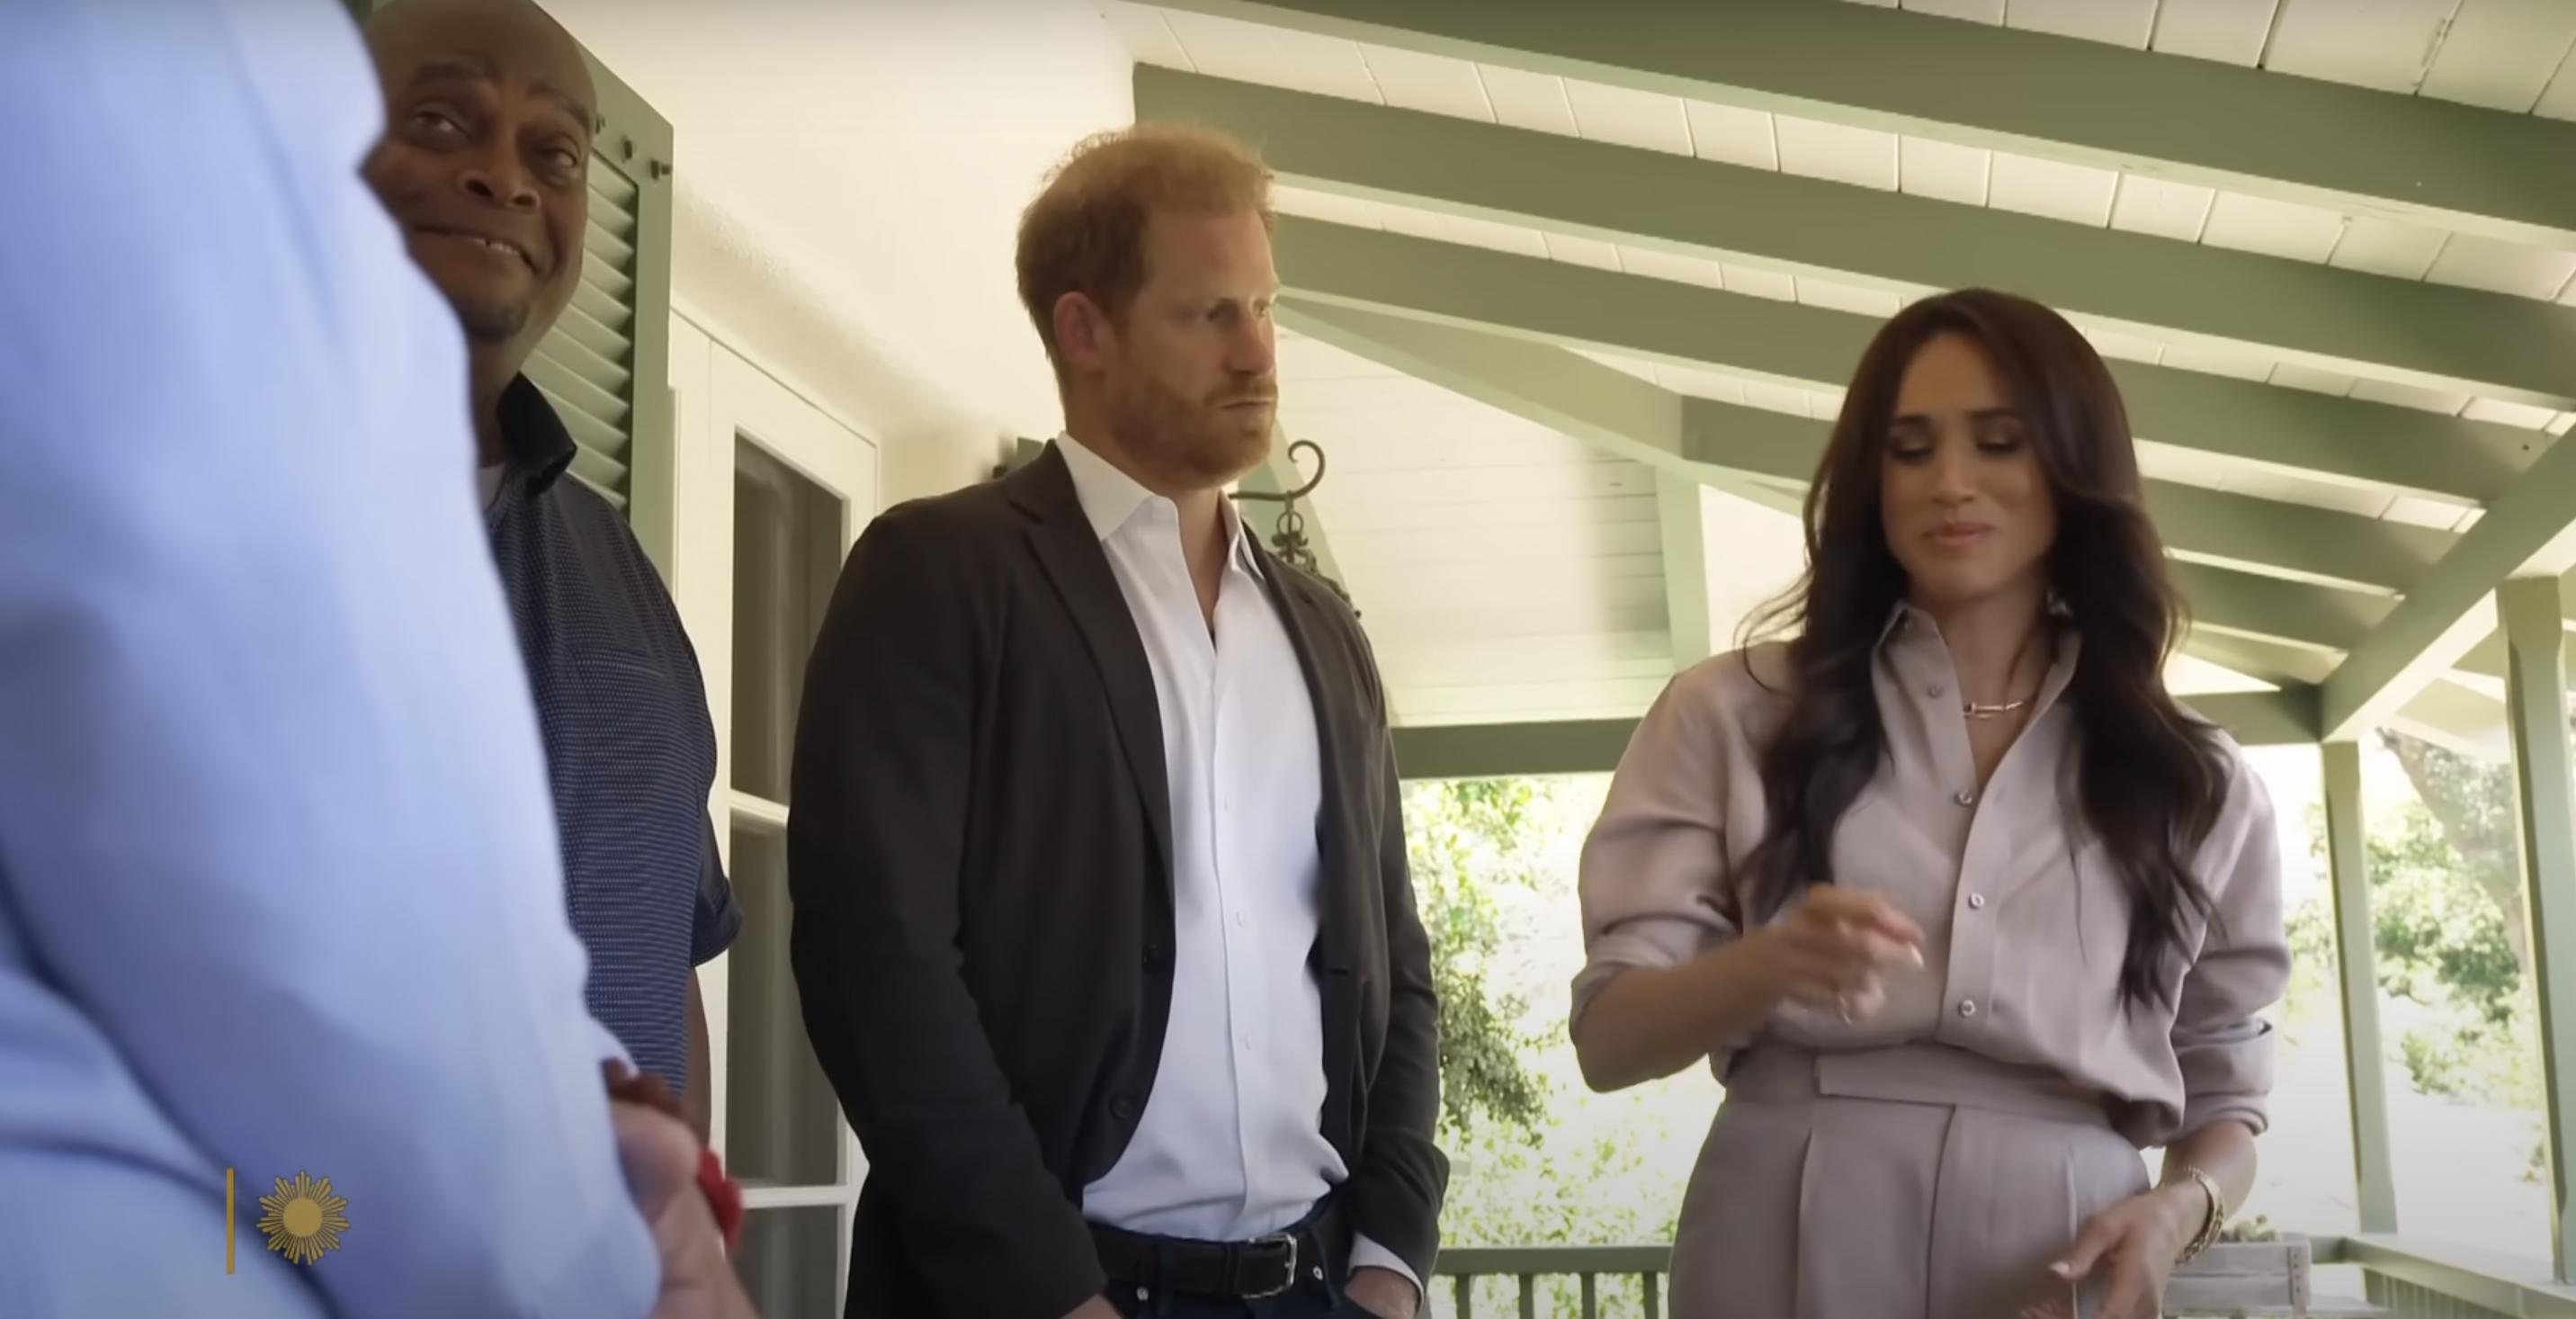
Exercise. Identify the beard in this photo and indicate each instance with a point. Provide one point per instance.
(1192, 443)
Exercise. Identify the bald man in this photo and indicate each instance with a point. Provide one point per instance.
(485, 166)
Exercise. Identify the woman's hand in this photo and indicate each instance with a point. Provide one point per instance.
(1830, 949)
(2132, 1245)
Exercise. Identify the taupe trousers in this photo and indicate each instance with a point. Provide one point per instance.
(1913, 1162)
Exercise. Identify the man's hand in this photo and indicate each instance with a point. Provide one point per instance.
(661, 1161)
(1382, 1292)
(1098, 1307)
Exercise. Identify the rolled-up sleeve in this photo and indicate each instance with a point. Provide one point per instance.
(2223, 1047)
(1654, 882)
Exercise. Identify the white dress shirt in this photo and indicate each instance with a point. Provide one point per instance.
(1231, 1145)
(279, 885)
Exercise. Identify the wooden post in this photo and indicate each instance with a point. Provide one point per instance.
(2536, 703)
(2356, 966)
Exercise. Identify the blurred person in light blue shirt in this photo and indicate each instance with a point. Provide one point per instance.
(279, 890)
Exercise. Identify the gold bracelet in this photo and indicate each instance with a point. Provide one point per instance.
(2210, 1226)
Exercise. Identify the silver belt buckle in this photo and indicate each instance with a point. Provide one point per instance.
(1288, 1279)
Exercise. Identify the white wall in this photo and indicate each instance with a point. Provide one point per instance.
(850, 176)
(1754, 553)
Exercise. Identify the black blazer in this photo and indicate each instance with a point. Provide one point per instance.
(980, 858)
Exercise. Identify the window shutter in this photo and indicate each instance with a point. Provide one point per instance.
(606, 364)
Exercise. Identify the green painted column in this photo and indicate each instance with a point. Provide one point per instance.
(2536, 701)
(2357, 970)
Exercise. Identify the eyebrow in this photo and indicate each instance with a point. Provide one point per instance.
(477, 68)
(571, 106)
(1975, 414)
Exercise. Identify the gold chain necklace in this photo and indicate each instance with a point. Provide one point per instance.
(1979, 710)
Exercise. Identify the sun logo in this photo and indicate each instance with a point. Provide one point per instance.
(303, 1221)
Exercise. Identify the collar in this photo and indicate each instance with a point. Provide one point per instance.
(534, 441)
(1110, 499)
(1910, 630)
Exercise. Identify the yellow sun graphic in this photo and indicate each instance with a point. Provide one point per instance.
(303, 1220)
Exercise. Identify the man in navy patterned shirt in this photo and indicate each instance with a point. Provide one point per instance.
(485, 166)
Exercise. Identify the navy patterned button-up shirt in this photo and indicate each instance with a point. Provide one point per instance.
(629, 747)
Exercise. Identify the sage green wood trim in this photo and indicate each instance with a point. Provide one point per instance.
(2530, 531)
(2253, 605)
(2258, 658)
(637, 142)
(1593, 746)
(2425, 334)
(1762, 449)
(1686, 613)
(2490, 1282)
(2296, 139)
(1569, 394)
(2456, 717)
(2287, 717)
(2545, 775)
(2356, 972)
(2339, 439)
(1482, 751)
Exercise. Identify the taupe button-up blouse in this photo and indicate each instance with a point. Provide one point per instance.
(2024, 921)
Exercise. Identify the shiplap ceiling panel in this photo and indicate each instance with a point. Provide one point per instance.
(1528, 100)
(1429, 83)
(2501, 54)
(2228, 31)
(2273, 228)
(2077, 194)
(1863, 157)
(2118, 22)
(2500, 267)
(1146, 35)
(1629, 118)
(1666, 265)
(2178, 211)
(2380, 44)
(2393, 248)
(1943, 170)
(1583, 252)
(1732, 135)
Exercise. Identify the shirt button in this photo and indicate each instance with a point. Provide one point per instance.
(1976, 902)
(1124, 1107)
(1239, 920)
(1936, 691)
(1967, 1007)
(1968, 798)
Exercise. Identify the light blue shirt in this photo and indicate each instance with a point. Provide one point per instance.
(278, 879)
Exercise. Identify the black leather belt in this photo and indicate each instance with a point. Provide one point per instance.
(1241, 1270)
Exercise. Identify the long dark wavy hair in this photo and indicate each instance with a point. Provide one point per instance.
(2150, 778)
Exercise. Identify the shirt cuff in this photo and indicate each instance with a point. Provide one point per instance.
(1367, 1254)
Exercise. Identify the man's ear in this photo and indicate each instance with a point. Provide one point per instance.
(1083, 334)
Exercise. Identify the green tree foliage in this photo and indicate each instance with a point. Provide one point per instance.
(1462, 839)
(2446, 909)
(1535, 1157)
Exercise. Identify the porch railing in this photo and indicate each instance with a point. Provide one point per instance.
(2407, 1277)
